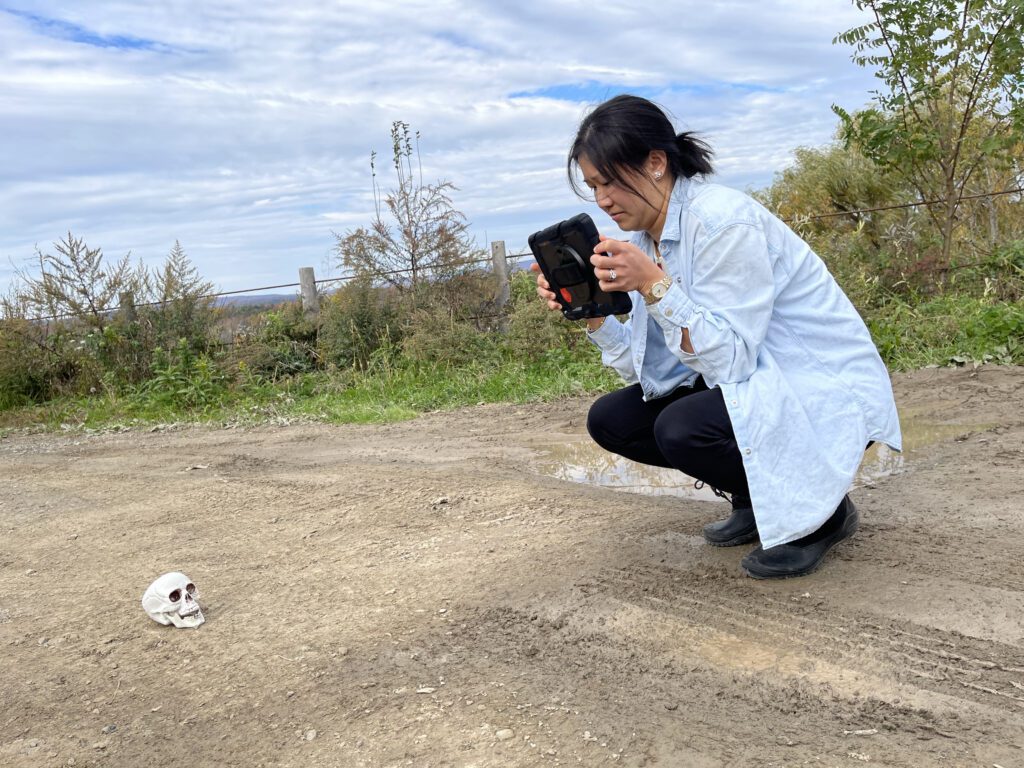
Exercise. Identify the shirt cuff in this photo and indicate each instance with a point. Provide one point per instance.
(674, 310)
(605, 335)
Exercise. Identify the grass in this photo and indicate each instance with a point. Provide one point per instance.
(384, 394)
(948, 330)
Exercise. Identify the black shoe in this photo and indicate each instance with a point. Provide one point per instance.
(737, 528)
(800, 557)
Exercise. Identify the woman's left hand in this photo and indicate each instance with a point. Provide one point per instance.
(621, 266)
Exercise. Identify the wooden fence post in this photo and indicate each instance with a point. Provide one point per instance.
(307, 286)
(503, 289)
(126, 306)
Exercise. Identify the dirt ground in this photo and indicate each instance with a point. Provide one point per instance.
(420, 594)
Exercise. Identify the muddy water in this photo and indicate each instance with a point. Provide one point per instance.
(581, 460)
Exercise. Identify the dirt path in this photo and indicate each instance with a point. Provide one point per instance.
(417, 594)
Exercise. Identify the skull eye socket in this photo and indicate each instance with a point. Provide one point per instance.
(190, 588)
(175, 596)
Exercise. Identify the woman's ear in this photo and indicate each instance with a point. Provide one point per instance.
(657, 163)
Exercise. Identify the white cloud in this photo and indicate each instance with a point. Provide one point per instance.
(244, 129)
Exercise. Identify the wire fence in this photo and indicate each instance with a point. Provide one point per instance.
(322, 281)
(916, 204)
(508, 257)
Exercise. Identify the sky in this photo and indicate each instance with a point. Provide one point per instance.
(243, 130)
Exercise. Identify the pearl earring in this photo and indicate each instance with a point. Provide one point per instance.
(657, 175)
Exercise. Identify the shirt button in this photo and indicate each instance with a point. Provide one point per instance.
(668, 313)
(734, 402)
(747, 451)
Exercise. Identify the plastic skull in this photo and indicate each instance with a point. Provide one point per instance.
(171, 599)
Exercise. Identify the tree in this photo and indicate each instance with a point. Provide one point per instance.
(840, 202)
(953, 101)
(181, 306)
(824, 182)
(77, 282)
(421, 234)
(83, 341)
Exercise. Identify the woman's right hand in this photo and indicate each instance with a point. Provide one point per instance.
(544, 289)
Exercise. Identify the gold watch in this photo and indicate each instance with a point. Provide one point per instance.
(657, 290)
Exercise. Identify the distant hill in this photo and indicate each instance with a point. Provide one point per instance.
(250, 299)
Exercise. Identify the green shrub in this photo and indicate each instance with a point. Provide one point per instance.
(436, 339)
(183, 379)
(466, 295)
(23, 364)
(997, 275)
(278, 343)
(533, 330)
(354, 322)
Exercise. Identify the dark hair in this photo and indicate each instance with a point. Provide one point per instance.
(621, 133)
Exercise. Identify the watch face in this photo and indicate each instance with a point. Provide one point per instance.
(660, 288)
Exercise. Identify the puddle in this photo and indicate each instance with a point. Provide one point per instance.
(582, 461)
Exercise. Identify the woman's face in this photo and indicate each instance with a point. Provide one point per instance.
(629, 210)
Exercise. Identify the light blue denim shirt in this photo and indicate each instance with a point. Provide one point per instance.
(803, 383)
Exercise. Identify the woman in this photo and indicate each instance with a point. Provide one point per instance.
(749, 369)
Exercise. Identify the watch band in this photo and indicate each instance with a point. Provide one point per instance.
(653, 296)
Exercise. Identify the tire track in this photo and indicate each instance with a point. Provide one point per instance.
(639, 652)
(944, 662)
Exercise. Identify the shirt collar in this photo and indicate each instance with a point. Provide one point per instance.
(670, 230)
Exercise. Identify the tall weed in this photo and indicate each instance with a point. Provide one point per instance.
(184, 380)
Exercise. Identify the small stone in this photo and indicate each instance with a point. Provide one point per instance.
(425, 690)
(310, 734)
(34, 743)
(440, 500)
(30, 571)
(505, 734)
(99, 745)
(290, 694)
(157, 709)
(109, 728)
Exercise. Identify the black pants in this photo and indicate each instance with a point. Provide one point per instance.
(688, 430)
